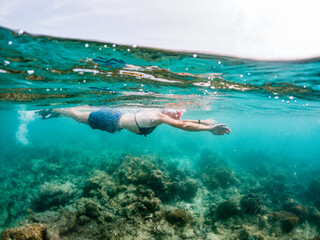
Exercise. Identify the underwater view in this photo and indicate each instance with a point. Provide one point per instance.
(255, 177)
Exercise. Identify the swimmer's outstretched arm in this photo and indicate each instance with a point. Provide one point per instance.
(218, 129)
(203, 122)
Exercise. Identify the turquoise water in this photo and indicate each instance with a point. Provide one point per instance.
(272, 108)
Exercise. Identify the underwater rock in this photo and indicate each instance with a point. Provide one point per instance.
(163, 230)
(134, 170)
(188, 233)
(226, 178)
(144, 204)
(89, 208)
(251, 204)
(313, 192)
(274, 216)
(243, 234)
(215, 178)
(227, 209)
(178, 217)
(299, 210)
(101, 185)
(210, 181)
(27, 232)
(54, 195)
(209, 159)
(316, 238)
(67, 222)
(257, 237)
(212, 236)
(288, 223)
(188, 189)
(314, 216)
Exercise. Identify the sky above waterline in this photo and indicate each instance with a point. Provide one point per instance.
(265, 29)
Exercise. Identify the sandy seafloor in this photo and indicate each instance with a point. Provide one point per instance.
(62, 180)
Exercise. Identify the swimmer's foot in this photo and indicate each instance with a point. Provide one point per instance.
(47, 113)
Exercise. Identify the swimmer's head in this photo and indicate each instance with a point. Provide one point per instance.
(175, 114)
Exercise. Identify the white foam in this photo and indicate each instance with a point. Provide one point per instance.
(25, 118)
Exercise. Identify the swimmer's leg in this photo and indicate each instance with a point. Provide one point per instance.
(74, 113)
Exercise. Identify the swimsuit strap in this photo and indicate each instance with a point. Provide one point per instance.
(135, 119)
(143, 131)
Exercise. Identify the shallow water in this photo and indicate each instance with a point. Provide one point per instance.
(272, 107)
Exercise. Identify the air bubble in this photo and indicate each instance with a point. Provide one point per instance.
(10, 42)
(187, 69)
(291, 97)
(128, 49)
(219, 62)
(47, 89)
(21, 31)
(194, 55)
(276, 97)
(30, 72)
(241, 75)
(105, 46)
(86, 45)
(114, 45)
(249, 74)
(134, 45)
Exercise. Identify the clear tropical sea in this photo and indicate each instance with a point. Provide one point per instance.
(63, 180)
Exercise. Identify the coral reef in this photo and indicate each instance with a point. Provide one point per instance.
(54, 194)
(178, 217)
(313, 192)
(251, 203)
(26, 232)
(147, 197)
(288, 223)
(227, 209)
(188, 189)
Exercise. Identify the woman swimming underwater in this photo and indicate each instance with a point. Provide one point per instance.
(142, 122)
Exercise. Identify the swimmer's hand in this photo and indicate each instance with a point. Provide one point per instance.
(208, 122)
(220, 129)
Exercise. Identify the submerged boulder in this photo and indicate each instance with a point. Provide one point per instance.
(288, 223)
(27, 232)
(227, 209)
(188, 189)
(101, 185)
(313, 193)
(178, 217)
(54, 195)
(252, 204)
